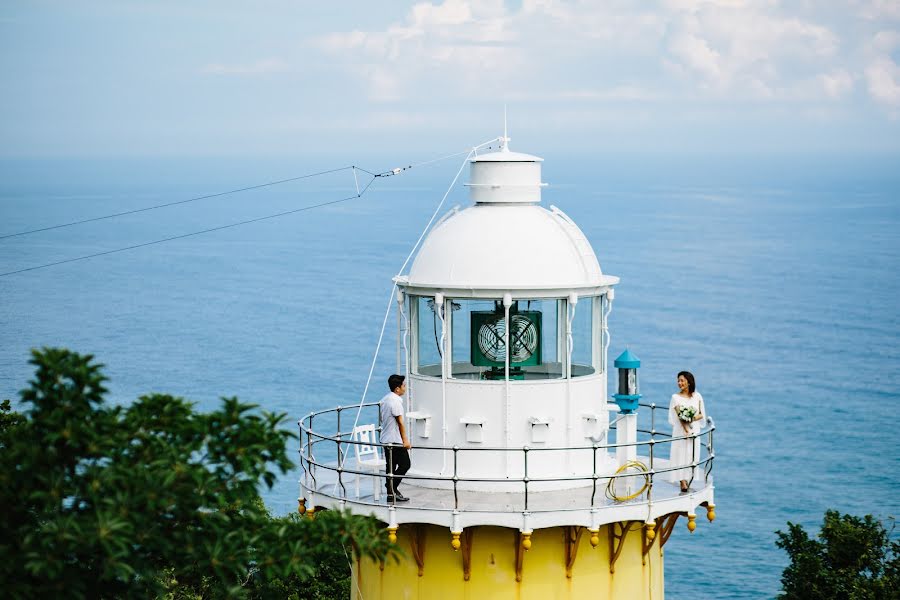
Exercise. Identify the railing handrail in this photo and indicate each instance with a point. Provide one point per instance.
(309, 463)
(412, 475)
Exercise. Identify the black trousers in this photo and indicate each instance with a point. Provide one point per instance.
(398, 463)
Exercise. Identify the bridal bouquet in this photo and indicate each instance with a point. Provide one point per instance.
(686, 413)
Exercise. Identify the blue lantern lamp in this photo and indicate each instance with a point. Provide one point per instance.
(629, 391)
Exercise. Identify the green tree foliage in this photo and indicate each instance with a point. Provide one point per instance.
(852, 559)
(151, 499)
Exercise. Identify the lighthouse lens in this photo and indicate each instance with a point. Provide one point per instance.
(523, 339)
(491, 334)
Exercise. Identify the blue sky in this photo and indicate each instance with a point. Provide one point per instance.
(273, 77)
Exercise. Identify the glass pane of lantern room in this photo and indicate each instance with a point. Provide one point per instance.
(462, 365)
(583, 338)
(479, 340)
(548, 364)
(428, 337)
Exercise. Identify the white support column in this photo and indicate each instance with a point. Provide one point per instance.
(507, 303)
(610, 296)
(414, 329)
(597, 334)
(439, 307)
(626, 433)
(571, 304)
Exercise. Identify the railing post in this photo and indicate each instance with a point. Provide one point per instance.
(389, 469)
(340, 454)
(455, 479)
(694, 445)
(300, 452)
(309, 453)
(340, 467)
(594, 477)
(525, 479)
(339, 448)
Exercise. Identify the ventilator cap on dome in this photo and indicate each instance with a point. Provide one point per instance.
(505, 177)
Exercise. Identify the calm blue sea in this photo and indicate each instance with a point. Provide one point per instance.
(775, 280)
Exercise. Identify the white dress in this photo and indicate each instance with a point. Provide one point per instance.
(682, 452)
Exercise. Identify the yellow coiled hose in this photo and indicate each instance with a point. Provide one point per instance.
(611, 489)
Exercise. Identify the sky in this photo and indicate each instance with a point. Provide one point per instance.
(167, 78)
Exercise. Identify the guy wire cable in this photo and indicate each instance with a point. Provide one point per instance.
(193, 233)
(206, 197)
(359, 194)
(396, 171)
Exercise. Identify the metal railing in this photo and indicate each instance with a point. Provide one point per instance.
(312, 441)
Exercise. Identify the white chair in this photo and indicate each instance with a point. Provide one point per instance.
(368, 457)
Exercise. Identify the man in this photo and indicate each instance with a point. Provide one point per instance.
(393, 434)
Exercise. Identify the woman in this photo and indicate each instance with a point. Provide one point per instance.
(685, 451)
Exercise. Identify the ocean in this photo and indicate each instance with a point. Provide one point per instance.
(773, 279)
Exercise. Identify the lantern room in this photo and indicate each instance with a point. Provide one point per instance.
(506, 341)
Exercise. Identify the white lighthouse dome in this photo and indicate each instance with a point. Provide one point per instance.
(506, 247)
(506, 240)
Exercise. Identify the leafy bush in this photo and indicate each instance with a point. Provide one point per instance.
(153, 499)
(852, 559)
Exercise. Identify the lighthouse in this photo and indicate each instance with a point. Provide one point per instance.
(528, 479)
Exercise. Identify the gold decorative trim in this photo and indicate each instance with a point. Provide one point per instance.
(454, 540)
(523, 544)
(666, 524)
(468, 536)
(572, 538)
(617, 541)
(417, 543)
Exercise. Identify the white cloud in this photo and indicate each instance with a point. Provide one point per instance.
(454, 46)
(557, 9)
(880, 10)
(696, 54)
(886, 41)
(883, 78)
(343, 41)
(260, 67)
(882, 74)
(622, 93)
(737, 48)
(758, 50)
(695, 5)
(837, 83)
(451, 12)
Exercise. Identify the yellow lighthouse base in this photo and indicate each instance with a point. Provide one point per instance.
(620, 560)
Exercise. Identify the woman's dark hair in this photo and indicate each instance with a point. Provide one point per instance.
(692, 387)
(395, 381)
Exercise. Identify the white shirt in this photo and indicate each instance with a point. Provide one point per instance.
(391, 407)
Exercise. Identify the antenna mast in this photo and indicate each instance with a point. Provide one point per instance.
(504, 141)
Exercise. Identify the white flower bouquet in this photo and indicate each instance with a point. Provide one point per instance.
(686, 413)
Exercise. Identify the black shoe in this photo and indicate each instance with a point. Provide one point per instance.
(400, 496)
(397, 498)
